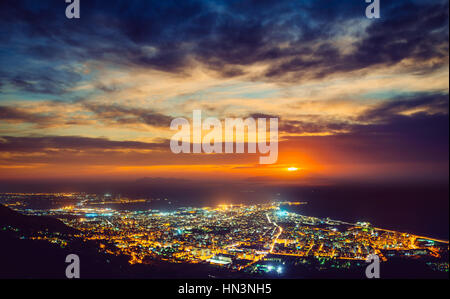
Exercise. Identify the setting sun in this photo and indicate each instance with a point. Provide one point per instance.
(292, 169)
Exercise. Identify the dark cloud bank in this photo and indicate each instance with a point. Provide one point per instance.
(224, 36)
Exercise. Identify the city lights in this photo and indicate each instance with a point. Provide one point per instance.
(249, 238)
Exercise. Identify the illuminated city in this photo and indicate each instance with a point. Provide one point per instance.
(224, 147)
(254, 239)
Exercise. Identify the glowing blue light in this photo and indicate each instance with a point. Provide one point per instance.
(282, 213)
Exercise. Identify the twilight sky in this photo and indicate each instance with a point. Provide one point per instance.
(357, 98)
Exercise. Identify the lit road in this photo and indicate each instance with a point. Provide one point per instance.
(280, 230)
(415, 236)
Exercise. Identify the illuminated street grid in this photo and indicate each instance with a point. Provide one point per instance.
(232, 236)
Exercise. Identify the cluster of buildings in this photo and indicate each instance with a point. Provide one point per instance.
(238, 237)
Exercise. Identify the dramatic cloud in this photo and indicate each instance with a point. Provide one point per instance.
(354, 95)
(418, 104)
(39, 144)
(128, 115)
(294, 39)
(18, 115)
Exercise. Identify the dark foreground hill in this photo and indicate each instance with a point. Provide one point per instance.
(21, 256)
(32, 224)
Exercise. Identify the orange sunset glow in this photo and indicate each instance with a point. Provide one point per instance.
(224, 147)
(98, 116)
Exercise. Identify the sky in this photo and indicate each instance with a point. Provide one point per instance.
(357, 99)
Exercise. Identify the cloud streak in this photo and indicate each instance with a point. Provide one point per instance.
(350, 92)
